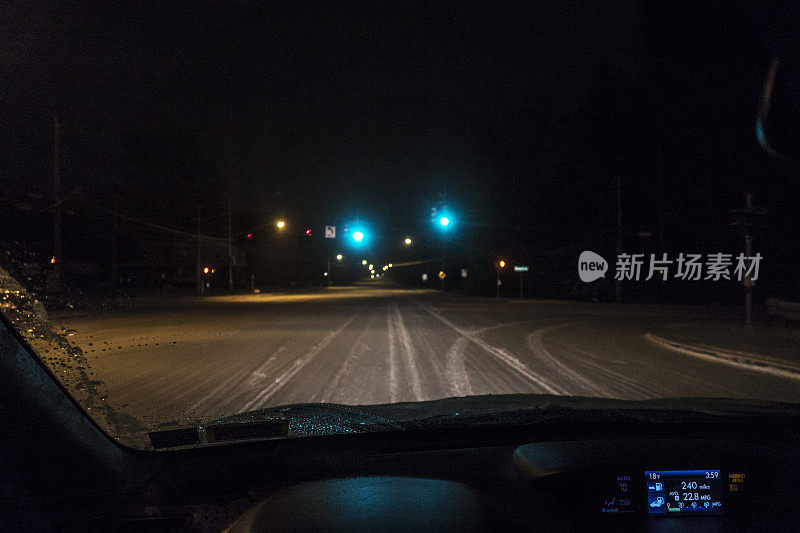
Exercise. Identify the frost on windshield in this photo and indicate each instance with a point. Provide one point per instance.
(66, 361)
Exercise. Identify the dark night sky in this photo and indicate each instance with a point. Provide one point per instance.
(523, 112)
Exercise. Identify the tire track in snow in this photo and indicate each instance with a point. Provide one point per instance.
(409, 352)
(235, 381)
(501, 355)
(358, 348)
(392, 340)
(281, 380)
(536, 345)
(456, 368)
(591, 360)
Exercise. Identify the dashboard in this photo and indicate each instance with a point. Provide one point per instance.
(657, 484)
(618, 485)
(672, 492)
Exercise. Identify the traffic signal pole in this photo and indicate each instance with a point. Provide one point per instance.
(230, 251)
(57, 197)
(330, 274)
(199, 261)
(748, 252)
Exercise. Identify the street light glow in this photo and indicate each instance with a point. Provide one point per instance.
(358, 236)
(502, 264)
(390, 265)
(281, 224)
(339, 257)
(444, 221)
(205, 270)
(364, 262)
(370, 266)
(407, 241)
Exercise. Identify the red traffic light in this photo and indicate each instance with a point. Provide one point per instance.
(308, 232)
(249, 235)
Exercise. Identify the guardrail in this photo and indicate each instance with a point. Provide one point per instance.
(783, 309)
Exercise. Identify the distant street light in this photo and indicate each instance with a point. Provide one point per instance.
(407, 241)
(370, 266)
(364, 262)
(358, 236)
(205, 270)
(390, 265)
(339, 257)
(444, 221)
(281, 224)
(502, 264)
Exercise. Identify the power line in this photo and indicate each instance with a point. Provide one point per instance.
(219, 241)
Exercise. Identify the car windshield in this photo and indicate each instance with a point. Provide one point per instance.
(233, 212)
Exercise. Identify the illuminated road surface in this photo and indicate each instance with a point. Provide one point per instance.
(370, 344)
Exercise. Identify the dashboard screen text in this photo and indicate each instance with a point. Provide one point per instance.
(683, 491)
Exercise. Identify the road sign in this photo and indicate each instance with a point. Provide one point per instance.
(330, 232)
(442, 275)
(520, 269)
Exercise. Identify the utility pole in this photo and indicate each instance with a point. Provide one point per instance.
(442, 261)
(617, 282)
(442, 241)
(231, 258)
(199, 262)
(748, 252)
(57, 201)
(293, 278)
(748, 289)
(661, 180)
(746, 219)
(329, 266)
(114, 258)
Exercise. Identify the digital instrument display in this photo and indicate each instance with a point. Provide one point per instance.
(683, 491)
(621, 496)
